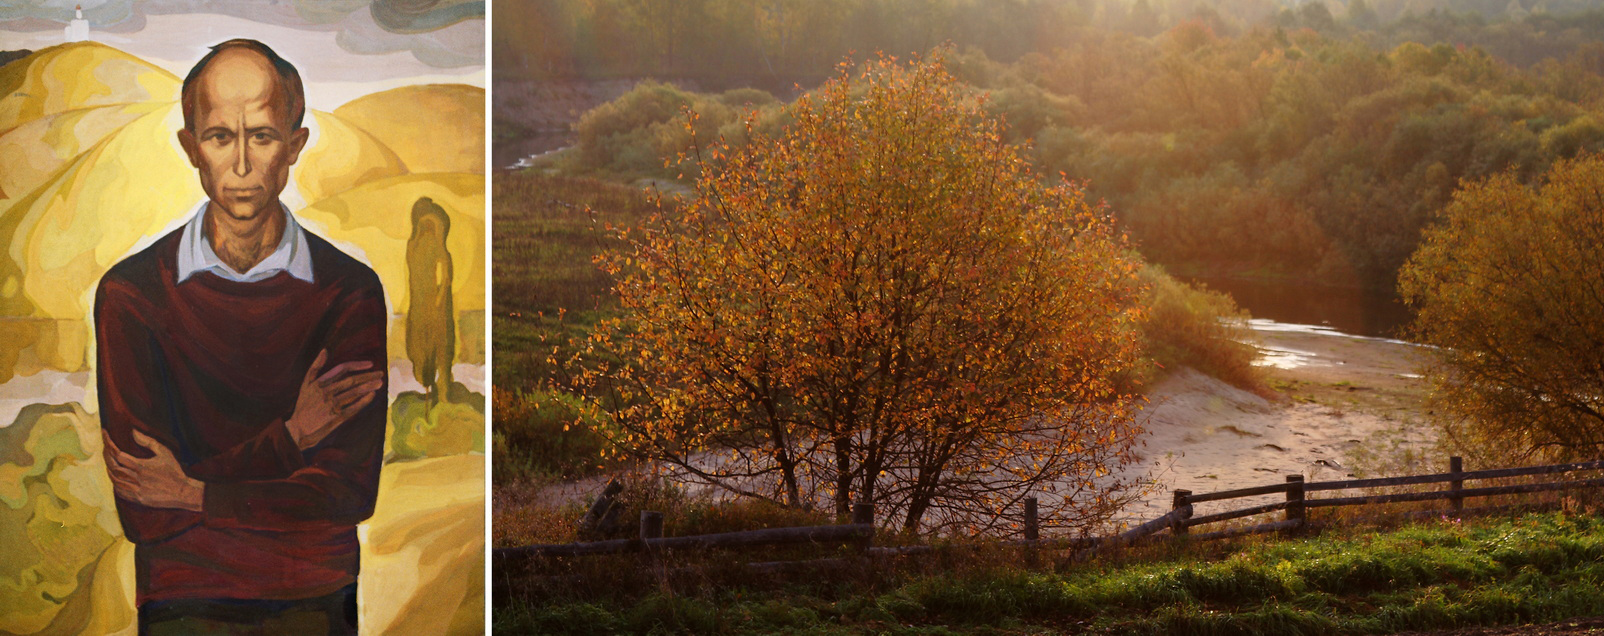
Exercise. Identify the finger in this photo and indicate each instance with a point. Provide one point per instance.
(359, 391)
(351, 394)
(121, 474)
(114, 457)
(106, 435)
(356, 407)
(146, 442)
(317, 365)
(343, 370)
(353, 381)
(142, 440)
(367, 391)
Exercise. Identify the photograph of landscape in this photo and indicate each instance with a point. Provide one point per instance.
(1047, 316)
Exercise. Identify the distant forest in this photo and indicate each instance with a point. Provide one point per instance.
(1306, 141)
(713, 39)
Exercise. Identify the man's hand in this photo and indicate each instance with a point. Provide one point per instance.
(157, 481)
(327, 401)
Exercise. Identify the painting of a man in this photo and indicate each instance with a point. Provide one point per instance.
(239, 361)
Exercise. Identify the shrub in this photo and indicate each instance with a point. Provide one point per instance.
(1507, 287)
(423, 427)
(540, 432)
(56, 519)
(1195, 327)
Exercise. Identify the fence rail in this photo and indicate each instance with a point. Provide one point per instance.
(1298, 503)
(1179, 521)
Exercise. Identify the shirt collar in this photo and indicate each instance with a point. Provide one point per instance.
(195, 253)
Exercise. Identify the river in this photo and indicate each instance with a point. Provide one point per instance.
(1350, 310)
(508, 152)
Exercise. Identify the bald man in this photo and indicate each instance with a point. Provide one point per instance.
(241, 369)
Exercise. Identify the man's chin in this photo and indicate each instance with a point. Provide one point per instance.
(245, 210)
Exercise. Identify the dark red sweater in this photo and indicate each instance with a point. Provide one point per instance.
(211, 368)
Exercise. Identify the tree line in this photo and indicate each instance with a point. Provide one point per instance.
(1275, 153)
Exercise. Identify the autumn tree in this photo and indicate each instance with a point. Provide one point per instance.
(1510, 288)
(881, 303)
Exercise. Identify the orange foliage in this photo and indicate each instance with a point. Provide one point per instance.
(1510, 289)
(883, 304)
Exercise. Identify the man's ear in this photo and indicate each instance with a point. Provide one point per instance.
(297, 143)
(186, 138)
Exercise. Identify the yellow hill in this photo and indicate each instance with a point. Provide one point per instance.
(78, 75)
(433, 128)
(120, 193)
(375, 220)
(62, 236)
(423, 550)
(343, 157)
(34, 152)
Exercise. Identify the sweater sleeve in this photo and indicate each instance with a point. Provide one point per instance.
(272, 451)
(337, 481)
(131, 398)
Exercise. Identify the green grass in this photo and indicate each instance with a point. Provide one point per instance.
(1536, 568)
(545, 233)
(548, 295)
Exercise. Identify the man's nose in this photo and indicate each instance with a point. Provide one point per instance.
(242, 159)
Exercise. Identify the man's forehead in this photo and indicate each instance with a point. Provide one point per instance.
(239, 78)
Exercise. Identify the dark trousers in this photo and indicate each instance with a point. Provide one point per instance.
(333, 614)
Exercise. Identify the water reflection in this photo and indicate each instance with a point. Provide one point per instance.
(1287, 358)
(507, 153)
(1348, 310)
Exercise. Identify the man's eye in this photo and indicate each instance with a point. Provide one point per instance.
(261, 137)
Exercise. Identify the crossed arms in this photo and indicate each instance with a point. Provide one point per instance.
(324, 402)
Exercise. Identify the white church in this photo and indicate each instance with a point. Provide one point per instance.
(78, 29)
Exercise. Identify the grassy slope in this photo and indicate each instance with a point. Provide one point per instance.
(1435, 575)
(543, 242)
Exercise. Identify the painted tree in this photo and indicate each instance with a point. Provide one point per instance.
(431, 321)
(883, 303)
(1510, 287)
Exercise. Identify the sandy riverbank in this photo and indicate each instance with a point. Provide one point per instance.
(1339, 398)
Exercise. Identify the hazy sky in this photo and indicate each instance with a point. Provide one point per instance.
(343, 48)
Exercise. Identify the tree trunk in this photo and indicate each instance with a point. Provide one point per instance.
(843, 476)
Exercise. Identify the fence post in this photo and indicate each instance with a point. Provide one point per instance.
(1456, 465)
(651, 527)
(1032, 525)
(1176, 503)
(863, 514)
(1295, 510)
(1032, 533)
(651, 524)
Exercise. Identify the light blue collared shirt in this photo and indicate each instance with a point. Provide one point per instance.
(195, 252)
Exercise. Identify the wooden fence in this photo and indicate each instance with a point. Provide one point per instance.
(1298, 502)
(1179, 521)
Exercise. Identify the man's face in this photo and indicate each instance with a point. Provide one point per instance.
(241, 142)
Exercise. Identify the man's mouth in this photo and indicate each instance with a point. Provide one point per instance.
(242, 192)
